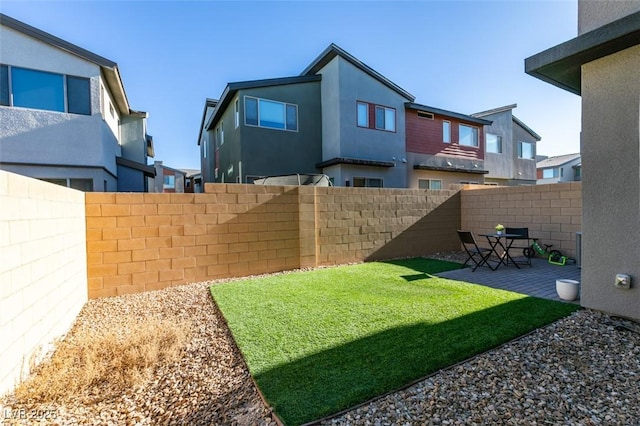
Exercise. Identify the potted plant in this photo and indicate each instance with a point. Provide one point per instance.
(499, 229)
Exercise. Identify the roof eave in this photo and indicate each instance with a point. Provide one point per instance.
(463, 117)
(334, 50)
(561, 64)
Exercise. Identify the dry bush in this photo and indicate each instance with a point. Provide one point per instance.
(105, 363)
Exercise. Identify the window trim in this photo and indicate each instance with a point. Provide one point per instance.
(385, 109)
(499, 140)
(366, 115)
(236, 112)
(520, 151)
(285, 109)
(477, 133)
(429, 181)
(446, 136)
(366, 181)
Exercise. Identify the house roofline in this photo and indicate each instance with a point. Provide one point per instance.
(355, 162)
(109, 68)
(450, 169)
(231, 89)
(495, 110)
(526, 128)
(334, 50)
(469, 118)
(208, 103)
(561, 65)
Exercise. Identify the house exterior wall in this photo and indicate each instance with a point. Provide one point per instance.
(501, 166)
(566, 173)
(524, 169)
(207, 151)
(610, 112)
(259, 151)
(594, 14)
(343, 85)
(447, 178)
(43, 273)
(51, 144)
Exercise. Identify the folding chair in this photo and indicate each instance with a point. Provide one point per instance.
(523, 236)
(478, 255)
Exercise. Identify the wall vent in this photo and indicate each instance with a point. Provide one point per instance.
(427, 115)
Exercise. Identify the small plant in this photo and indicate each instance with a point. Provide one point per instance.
(499, 227)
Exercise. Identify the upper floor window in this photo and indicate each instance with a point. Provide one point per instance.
(494, 143)
(236, 112)
(577, 172)
(446, 132)
(549, 173)
(468, 135)
(270, 114)
(384, 117)
(363, 114)
(169, 182)
(526, 150)
(29, 88)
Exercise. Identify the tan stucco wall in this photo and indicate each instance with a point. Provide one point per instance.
(43, 270)
(611, 153)
(593, 14)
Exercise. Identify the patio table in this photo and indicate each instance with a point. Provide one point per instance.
(495, 242)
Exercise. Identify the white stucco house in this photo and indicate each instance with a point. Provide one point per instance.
(65, 117)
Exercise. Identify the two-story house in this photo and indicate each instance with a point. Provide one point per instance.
(443, 147)
(65, 115)
(510, 154)
(343, 119)
(562, 168)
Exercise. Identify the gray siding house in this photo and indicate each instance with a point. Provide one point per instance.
(510, 153)
(65, 115)
(562, 168)
(339, 117)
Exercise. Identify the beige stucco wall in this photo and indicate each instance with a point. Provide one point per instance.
(611, 153)
(43, 272)
(593, 14)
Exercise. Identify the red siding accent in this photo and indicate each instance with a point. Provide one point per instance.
(424, 136)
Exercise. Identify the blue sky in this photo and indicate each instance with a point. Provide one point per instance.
(460, 56)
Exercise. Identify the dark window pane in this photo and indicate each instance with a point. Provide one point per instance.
(4, 85)
(379, 118)
(37, 89)
(271, 114)
(292, 117)
(78, 95)
(251, 111)
(85, 185)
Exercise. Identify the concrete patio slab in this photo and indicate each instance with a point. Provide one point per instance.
(538, 280)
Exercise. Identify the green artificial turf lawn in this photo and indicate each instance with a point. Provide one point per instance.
(320, 341)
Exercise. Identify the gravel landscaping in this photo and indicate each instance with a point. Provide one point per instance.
(584, 369)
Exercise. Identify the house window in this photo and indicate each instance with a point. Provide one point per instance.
(577, 172)
(549, 173)
(169, 182)
(385, 119)
(526, 150)
(430, 183)
(468, 136)
(363, 114)
(271, 114)
(236, 112)
(494, 143)
(446, 132)
(205, 146)
(367, 182)
(85, 185)
(27, 88)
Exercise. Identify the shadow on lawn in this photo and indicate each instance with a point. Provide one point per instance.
(332, 380)
(425, 267)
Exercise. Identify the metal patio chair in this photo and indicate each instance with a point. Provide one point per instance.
(516, 243)
(478, 255)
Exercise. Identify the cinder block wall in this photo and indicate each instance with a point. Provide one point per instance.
(139, 242)
(43, 270)
(553, 213)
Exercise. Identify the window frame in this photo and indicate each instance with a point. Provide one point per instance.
(168, 185)
(474, 131)
(367, 180)
(385, 110)
(446, 131)
(429, 183)
(366, 114)
(286, 106)
(521, 150)
(236, 113)
(498, 140)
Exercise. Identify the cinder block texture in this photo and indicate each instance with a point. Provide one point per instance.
(150, 242)
(43, 272)
(553, 213)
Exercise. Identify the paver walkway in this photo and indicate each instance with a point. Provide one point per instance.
(539, 280)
